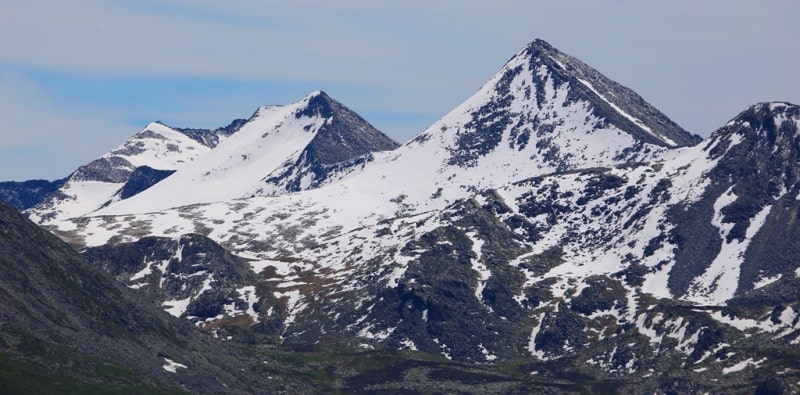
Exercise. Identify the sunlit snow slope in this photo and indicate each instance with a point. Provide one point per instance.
(95, 184)
(280, 149)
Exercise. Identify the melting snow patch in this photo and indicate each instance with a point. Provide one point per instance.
(292, 304)
(712, 352)
(734, 139)
(742, 365)
(763, 282)
(206, 283)
(687, 345)
(366, 333)
(478, 266)
(179, 253)
(248, 294)
(172, 366)
(650, 332)
(408, 344)
(783, 327)
(445, 349)
(399, 270)
(532, 343)
(142, 273)
(741, 324)
(719, 282)
(176, 307)
(486, 354)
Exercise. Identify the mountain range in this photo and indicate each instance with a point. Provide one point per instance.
(554, 221)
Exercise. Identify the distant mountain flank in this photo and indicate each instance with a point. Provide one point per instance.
(23, 195)
(281, 149)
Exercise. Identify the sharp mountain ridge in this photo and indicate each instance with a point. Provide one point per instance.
(279, 149)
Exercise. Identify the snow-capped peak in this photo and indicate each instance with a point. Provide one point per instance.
(610, 100)
(533, 117)
(157, 147)
(280, 149)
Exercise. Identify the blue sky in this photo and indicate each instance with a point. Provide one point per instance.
(78, 78)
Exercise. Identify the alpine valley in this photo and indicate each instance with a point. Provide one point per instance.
(555, 233)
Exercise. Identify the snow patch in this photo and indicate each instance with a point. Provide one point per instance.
(408, 344)
(532, 342)
(721, 279)
(366, 333)
(486, 354)
(764, 281)
(477, 265)
(742, 365)
(293, 305)
(176, 307)
(172, 366)
(248, 295)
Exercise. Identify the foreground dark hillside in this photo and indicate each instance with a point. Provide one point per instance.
(65, 325)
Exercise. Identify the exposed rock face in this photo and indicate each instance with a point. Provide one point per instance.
(617, 104)
(757, 174)
(190, 277)
(23, 195)
(143, 177)
(345, 136)
(343, 142)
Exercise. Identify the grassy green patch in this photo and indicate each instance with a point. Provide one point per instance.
(22, 377)
(35, 366)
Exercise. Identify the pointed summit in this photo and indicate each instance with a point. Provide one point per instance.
(343, 138)
(551, 110)
(318, 104)
(279, 149)
(610, 100)
(157, 147)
